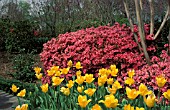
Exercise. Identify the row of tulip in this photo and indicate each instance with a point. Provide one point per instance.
(86, 92)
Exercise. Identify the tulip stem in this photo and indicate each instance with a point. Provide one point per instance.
(19, 100)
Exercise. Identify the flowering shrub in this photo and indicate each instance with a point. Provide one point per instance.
(160, 66)
(95, 48)
(81, 93)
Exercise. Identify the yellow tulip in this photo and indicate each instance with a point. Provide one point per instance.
(117, 85)
(65, 91)
(70, 84)
(103, 71)
(78, 73)
(78, 65)
(90, 91)
(37, 70)
(110, 81)
(70, 63)
(80, 79)
(137, 108)
(55, 68)
(80, 89)
(89, 78)
(131, 93)
(143, 90)
(57, 73)
(56, 80)
(129, 81)
(50, 72)
(167, 94)
(82, 101)
(22, 93)
(14, 88)
(160, 80)
(64, 70)
(39, 76)
(110, 101)
(112, 67)
(128, 107)
(102, 80)
(44, 87)
(131, 73)
(150, 100)
(112, 90)
(23, 107)
(96, 107)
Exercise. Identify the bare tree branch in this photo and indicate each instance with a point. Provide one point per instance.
(163, 23)
(131, 24)
(141, 31)
(152, 17)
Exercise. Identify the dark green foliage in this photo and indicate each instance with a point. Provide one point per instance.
(6, 84)
(20, 37)
(23, 66)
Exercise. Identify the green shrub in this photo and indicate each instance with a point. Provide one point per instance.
(22, 65)
(20, 37)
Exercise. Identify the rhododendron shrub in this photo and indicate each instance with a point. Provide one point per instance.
(96, 48)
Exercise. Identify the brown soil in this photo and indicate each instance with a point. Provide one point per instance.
(6, 65)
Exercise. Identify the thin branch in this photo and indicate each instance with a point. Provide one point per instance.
(163, 23)
(131, 24)
(141, 31)
(152, 17)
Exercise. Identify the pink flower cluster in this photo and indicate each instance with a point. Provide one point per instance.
(147, 74)
(95, 48)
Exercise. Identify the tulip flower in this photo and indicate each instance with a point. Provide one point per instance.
(78, 65)
(56, 80)
(23, 107)
(89, 78)
(150, 100)
(137, 108)
(110, 101)
(143, 90)
(90, 91)
(96, 107)
(128, 107)
(44, 87)
(70, 84)
(82, 101)
(167, 94)
(103, 71)
(131, 73)
(55, 68)
(112, 90)
(117, 85)
(129, 81)
(22, 93)
(39, 76)
(131, 93)
(64, 70)
(50, 72)
(80, 80)
(102, 79)
(14, 88)
(80, 89)
(110, 81)
(78, 73)
(114, 70)
(65, 91)
(70, 63)
(37, 70)
(160, 80)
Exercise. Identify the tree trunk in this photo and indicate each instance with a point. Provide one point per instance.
(131, 24)
(152, 17)
(141, 31)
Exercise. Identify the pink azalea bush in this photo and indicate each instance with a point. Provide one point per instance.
(96, 48)
(147, 74)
